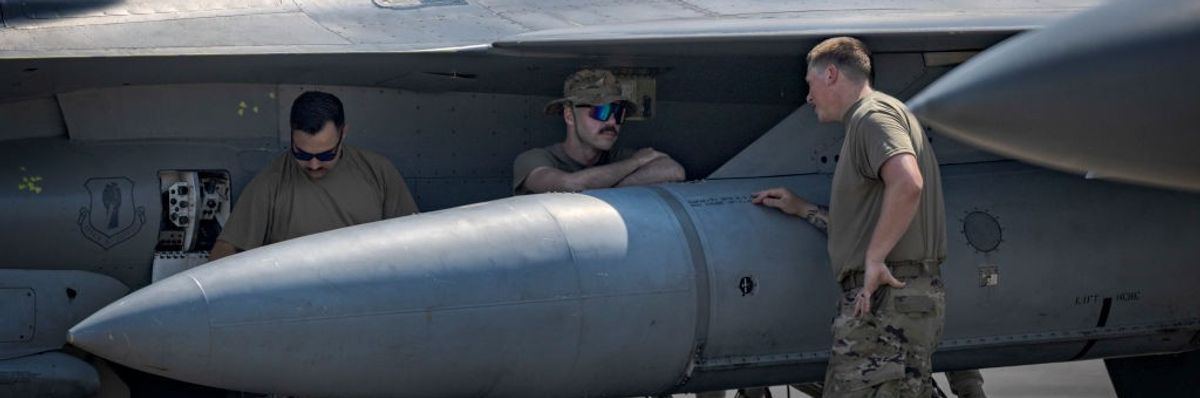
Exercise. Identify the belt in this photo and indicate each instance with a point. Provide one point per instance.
(900, 269)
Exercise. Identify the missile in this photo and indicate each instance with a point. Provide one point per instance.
(608, 293)
(1110, 92)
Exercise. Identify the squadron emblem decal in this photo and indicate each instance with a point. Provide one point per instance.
(111, 217)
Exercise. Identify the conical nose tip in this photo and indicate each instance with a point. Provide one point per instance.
(162, 329)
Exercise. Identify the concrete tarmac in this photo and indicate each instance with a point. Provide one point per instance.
(1083, 379)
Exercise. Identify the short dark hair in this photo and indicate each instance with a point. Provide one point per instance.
(312, 109)
(850, 56)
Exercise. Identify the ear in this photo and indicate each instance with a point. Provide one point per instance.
(568, 116)
(832, 74)
(345, 130)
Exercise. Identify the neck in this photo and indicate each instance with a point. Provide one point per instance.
(577, 151)
(852, 95)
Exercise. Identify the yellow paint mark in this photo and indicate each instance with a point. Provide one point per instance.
(241, 112)
(271, 95)
(256, 109)
(30, 183)
(242, 105)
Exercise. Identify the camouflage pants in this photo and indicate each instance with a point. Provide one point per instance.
(887, 353)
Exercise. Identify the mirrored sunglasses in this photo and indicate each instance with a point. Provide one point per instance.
(604, 112)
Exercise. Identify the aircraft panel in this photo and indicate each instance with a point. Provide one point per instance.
(49, 375)
(724, 78)
(440, 135)
(32, 118)
(18, 305)
(71, 193)
(745, 273)
(1071, 300)
(818, 145)
(39, 306)
(200, 112)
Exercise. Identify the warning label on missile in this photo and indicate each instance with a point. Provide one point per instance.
(719, 200)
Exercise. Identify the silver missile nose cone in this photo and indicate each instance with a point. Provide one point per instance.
(1102, 92)
(162, 329)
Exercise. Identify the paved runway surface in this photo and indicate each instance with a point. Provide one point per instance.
(1085, 379)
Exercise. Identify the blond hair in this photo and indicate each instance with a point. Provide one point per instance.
(850, 56)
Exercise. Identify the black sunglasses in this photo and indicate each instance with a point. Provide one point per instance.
(323, 156)
(603, 112)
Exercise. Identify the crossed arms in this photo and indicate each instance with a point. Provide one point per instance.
(647, 166)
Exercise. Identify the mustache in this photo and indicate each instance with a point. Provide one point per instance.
(609, 129)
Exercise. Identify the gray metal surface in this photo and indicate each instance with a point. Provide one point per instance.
(790, 32)
(208, 112)
(65, 174)
(453, 148)
(636, 291)
(343, 26)
(1154, 376)
(817, 145)
(32, 118)
(18, 306)
(49, 375)
(39, 306)
(540, 302)
(1107, 93)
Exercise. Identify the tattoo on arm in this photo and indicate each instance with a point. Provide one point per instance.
(818, 216)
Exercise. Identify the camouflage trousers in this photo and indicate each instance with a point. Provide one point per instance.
(887, 353)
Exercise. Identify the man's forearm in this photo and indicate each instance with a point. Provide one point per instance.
(818, 216)
(605, 176)
(661, 170)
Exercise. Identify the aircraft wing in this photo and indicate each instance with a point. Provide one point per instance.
(52, 29)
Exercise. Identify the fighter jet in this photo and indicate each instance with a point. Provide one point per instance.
(131, 127)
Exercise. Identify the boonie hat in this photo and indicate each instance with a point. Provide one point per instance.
(591, 87)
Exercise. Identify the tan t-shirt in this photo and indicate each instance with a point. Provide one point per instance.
(282, 203)
(877, 128)
(554, 156)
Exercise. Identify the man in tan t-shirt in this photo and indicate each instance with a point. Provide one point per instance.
(322, 183)
(886, 228)
(593, 107)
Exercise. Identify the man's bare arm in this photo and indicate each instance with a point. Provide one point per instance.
(549, 179)
(902, 185)
(901, 194)
(818, 216)
(664, 169)
(222, 249)
(789, 203)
